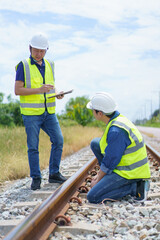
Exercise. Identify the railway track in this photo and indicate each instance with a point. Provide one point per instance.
(66, 214)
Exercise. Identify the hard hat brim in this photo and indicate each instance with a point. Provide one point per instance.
(89, 105)
(37, 47)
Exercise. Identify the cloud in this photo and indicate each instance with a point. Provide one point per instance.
(97, 46)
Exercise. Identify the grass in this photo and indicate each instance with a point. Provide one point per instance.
(13, 148)
(152, 124)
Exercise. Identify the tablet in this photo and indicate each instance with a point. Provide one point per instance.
(59, 94)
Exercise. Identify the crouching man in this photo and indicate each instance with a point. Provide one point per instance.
(121, 153)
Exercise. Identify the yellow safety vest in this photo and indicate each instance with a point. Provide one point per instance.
(134, 162)
(35, 104)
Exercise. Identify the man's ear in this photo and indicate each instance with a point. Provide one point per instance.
(100, 113)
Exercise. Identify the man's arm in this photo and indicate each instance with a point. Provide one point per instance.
(22, 91)
(118, 141)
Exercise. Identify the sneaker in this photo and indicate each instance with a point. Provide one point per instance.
(57, 178)
(36, 183)
(142, 190)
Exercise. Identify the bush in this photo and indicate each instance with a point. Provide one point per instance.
(76, 110)
(98, 124)
(10, 112)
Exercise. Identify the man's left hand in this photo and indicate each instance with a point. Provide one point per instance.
(61, 95)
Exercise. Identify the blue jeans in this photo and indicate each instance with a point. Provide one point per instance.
(111, 186)
(50, 125)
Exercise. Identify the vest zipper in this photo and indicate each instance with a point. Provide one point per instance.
(44, 96)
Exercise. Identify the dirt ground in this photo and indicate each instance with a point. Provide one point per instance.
(153, 132)
(151, 136)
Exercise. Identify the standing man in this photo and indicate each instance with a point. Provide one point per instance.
(35, 83)
(121, 154)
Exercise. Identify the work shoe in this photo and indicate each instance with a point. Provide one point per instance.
(142, 191)
(36, 183)
(57, 178)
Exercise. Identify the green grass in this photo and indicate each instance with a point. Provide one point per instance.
(13, 148)
(152, 124)
(155, 122)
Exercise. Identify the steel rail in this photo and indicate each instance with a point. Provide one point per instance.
(154, 153)
(40, 223)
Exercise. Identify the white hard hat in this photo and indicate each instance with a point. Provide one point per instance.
(39, 41)
(104, 102)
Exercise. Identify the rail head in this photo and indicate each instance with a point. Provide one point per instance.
(153, 152)
(49, 209)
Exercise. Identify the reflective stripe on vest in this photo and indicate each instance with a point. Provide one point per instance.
(135, 148)
(133, 166)
(51, 67)
(28, 76)
(134, 137)
(36, 105)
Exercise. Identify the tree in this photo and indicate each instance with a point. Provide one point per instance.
(76, 110)
(10, 112)
(155, 114)
(1, 97)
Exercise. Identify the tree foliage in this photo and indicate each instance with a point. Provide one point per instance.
(10, 112)
(1, 97)
(76, 110)
(155, 114)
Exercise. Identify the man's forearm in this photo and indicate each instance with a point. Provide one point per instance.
(22, 91)
(100, 175)
(26, 91)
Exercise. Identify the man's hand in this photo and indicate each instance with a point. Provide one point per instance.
(46, 88)
(22, 91)
(61, 95)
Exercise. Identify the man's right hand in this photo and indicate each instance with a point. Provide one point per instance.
(46, 88)
(22, 91)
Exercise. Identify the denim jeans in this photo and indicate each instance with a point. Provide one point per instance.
(50, 125)
(111, 186)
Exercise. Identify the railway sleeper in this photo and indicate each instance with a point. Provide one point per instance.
(7, 225)
(79, 228)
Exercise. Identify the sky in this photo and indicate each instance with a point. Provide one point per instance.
(96, 45)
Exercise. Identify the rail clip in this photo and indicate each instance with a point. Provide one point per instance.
(83, 189)
(76, 199)
(62, 220)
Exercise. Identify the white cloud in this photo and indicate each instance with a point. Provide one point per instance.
(104, 10)
(114, 53)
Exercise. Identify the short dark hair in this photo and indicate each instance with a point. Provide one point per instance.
(97, 111)
(108, 115)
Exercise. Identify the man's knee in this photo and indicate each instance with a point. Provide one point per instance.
(95, 143)
(90, 197)
(60, 140)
